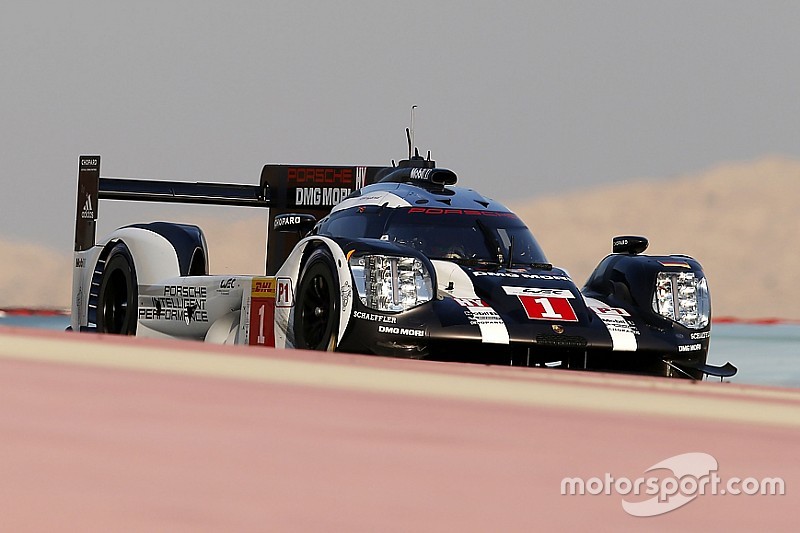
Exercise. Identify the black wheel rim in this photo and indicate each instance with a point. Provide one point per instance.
(316, 312)
(115, 304)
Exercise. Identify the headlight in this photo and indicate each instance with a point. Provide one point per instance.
(388, 283)
(684, 298)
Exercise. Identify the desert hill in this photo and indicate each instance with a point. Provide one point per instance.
(740, 220)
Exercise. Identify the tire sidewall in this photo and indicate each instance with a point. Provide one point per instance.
(119, 267)
(320, 263)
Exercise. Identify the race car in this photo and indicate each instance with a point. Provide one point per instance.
(392, 261)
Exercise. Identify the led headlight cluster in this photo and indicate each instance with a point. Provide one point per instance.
(389, 283)
(684, 298)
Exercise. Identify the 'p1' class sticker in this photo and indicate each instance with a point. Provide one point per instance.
(493, 329)
(623, 333)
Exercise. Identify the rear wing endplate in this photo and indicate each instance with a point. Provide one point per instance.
(310, 189)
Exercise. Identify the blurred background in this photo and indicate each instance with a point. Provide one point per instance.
(675, 120)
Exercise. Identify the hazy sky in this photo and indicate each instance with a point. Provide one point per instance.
(519, 98)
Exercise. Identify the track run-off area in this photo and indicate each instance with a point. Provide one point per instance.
(101, 433)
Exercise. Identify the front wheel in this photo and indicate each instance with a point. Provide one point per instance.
(316, 320)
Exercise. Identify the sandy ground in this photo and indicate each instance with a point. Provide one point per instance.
(123, 434)
(737, 219)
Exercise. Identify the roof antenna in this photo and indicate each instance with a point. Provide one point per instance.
(413, 107)
(408, 137)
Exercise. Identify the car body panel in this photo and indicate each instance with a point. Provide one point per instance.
(494, 299)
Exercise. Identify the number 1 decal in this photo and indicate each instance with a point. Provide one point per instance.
(261, 337)
(548, 308)
(262, 312)
(549, 312)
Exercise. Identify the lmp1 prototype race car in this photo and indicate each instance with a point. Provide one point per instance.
(393, 261)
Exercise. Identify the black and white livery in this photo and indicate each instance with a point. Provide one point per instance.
(394, 261)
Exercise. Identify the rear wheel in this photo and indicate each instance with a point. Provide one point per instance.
(316, 319)
(117, 299)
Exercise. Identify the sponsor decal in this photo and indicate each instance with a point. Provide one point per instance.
(700, 335)
(483, 316)
(468, 212)
(361, 177)
(285, 221)
(185, 291)
(470, 302)
(610, 311)
(159, 312)
(675, 264)
(321, 175)
(371, 197)
(178, 302)
(621, 242)
(87, 212)
(285, 293)
(320, 196)
(522, 275)
(86, 200)
(80, 262)
(420, 173)
(690, 347)
(346, 293)
(406, 332)
(261, 329)
(479, 312)
(619, 324)
(536, 291)
(79, 298)
(619, 328)
(263, 288)
(372, 317)
(229, 283)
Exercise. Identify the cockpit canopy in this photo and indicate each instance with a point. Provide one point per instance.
(471, 236)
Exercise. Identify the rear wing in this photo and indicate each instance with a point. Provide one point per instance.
(310, 189)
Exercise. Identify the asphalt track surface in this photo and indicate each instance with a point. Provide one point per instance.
(102, 433)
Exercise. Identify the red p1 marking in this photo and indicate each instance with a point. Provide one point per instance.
(541, 308)
(285, 296)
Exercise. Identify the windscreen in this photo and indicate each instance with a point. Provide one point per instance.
(464, 234)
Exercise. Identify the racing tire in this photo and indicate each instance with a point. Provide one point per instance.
(117, 296)
(316, 318)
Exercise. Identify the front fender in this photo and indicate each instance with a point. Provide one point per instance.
(290, 272)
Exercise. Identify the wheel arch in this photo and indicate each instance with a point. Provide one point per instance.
(292, 269)
(157, 251)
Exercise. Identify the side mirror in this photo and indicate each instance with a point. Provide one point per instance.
(629, 244)
(294, 222)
